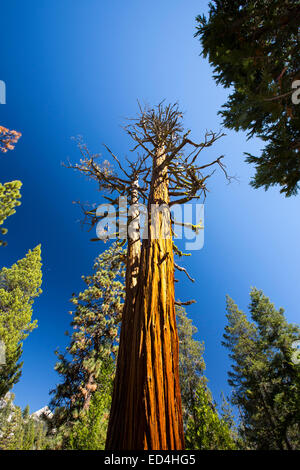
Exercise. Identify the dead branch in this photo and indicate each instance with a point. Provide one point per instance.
(180, 268)
(189, 302)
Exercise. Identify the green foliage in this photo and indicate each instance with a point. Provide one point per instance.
(191, 362)
(253, 47)
(9, 195)
(11, 433)
(264, 378)
(89, 431)
(204, 427)
(207, 430)
(19, 286)
(19, 431)
(88, 364)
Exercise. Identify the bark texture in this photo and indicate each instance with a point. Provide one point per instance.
(116, 427)
(146, 409)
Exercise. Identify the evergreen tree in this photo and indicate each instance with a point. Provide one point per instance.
(19, 430)
(191, 363)
(207, 429)
(88, 364)
(19, 286)
(253, 47)
(264, 378)
(29, 430)
(89, 431)
(10, 424)
(9, 199)
(9, 192)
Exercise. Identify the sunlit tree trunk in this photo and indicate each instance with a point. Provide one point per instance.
(146, 409)
(116, 427)
(146, 406)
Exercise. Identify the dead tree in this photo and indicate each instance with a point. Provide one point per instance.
(114, 185)
(146, 406)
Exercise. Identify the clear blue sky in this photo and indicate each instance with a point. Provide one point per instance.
(74, 67)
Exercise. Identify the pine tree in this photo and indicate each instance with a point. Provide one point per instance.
(19, 430)
(207, 430)
(9, 199)
(89, 430)
(29, 430)
(253, 47)
(87, 366)
(10, 417)
(264, 378)
(9, 192)
(19, 286)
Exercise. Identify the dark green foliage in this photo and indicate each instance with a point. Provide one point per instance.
(253, 47)
(264, 378)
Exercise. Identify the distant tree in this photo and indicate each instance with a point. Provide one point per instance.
(9, 195)
(19, 430)
(205, 428)
(253, 47)
(87, 366)
(10, 424)
(19, 286)
(264, 378)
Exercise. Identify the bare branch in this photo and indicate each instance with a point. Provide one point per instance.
(180, 268)
(189, 302)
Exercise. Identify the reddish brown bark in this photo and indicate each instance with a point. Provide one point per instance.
(116, 427)
(146, 408)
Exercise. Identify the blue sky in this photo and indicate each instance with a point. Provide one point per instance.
(74, 67)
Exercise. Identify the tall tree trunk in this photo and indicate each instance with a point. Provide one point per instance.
(148, 414)
(116, 426)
